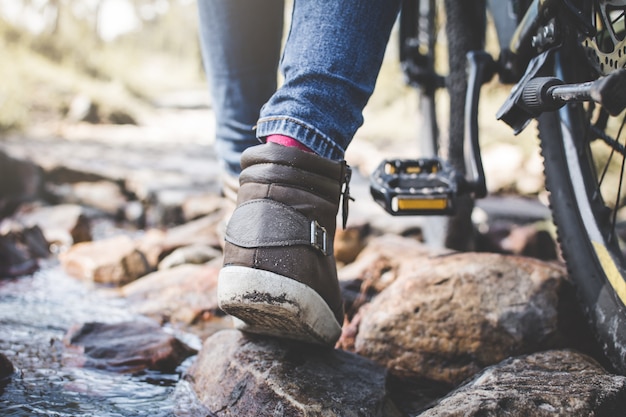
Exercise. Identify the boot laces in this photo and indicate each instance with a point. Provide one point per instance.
(345, 192)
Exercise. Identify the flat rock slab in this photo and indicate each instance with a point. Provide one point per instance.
(236, 375)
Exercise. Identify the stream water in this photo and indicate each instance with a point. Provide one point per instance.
(35, 313)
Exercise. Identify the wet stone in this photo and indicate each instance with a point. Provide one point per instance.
(34, 239)
(125, 347)
(62, 225)
(15, 257)
(183, 296)
(6, 367)
(20, 181)
(114, 261)
(236, 375)
(6, 371)
(545, 384)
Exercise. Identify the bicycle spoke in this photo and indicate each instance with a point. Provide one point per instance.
(597, 129)
(619, 187)
(615, 145)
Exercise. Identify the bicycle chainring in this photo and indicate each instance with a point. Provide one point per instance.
(607, 49)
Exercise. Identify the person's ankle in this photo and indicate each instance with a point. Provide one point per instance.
(287, 141)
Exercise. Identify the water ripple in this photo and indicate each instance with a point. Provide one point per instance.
(35, 314)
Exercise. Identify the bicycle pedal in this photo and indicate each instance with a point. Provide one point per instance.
(423, 186)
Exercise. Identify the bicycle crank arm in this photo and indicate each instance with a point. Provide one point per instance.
(549, 94)
(480, 69)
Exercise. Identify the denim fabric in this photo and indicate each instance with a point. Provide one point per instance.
(330, 64)
(240, 42)
(331, 61)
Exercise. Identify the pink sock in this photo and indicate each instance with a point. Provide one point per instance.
(287, 141)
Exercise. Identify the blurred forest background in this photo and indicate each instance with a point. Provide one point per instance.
(118, 59)
(118, 54)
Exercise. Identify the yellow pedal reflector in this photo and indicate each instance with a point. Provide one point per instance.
(413, 170)
(401, 204)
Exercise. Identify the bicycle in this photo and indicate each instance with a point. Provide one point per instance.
(566, 60)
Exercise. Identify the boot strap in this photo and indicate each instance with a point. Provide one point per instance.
(269, 223)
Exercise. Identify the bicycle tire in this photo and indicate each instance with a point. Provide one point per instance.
(588, 242)
(417, 45)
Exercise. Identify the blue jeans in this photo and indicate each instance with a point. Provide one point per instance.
(240, 41)
(330, 63)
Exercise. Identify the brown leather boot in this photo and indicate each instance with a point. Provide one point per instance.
(279, 276)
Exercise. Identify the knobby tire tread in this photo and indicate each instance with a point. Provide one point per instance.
(601, 306)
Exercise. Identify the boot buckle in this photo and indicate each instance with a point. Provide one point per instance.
(319, 237)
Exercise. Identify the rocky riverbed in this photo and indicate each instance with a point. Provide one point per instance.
(427, 332)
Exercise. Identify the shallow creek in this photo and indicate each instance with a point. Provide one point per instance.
(35, 313)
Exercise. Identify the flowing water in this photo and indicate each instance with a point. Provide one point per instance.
(35, 313)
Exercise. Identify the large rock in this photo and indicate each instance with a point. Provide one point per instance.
(126, 347)
(235, 375)
(115, 261)
(185, 295)
(377, 267)
(446, 318)
(554, 383)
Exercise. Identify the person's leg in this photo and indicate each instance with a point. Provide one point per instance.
(240, 42)
(331, 61)
(279, 275)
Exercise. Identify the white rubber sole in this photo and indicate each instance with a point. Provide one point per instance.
(267, 303)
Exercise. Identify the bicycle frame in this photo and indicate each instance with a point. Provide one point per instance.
(517, 24)
(526, 33)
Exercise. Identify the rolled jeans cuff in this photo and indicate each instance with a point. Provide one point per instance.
(304, 133)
